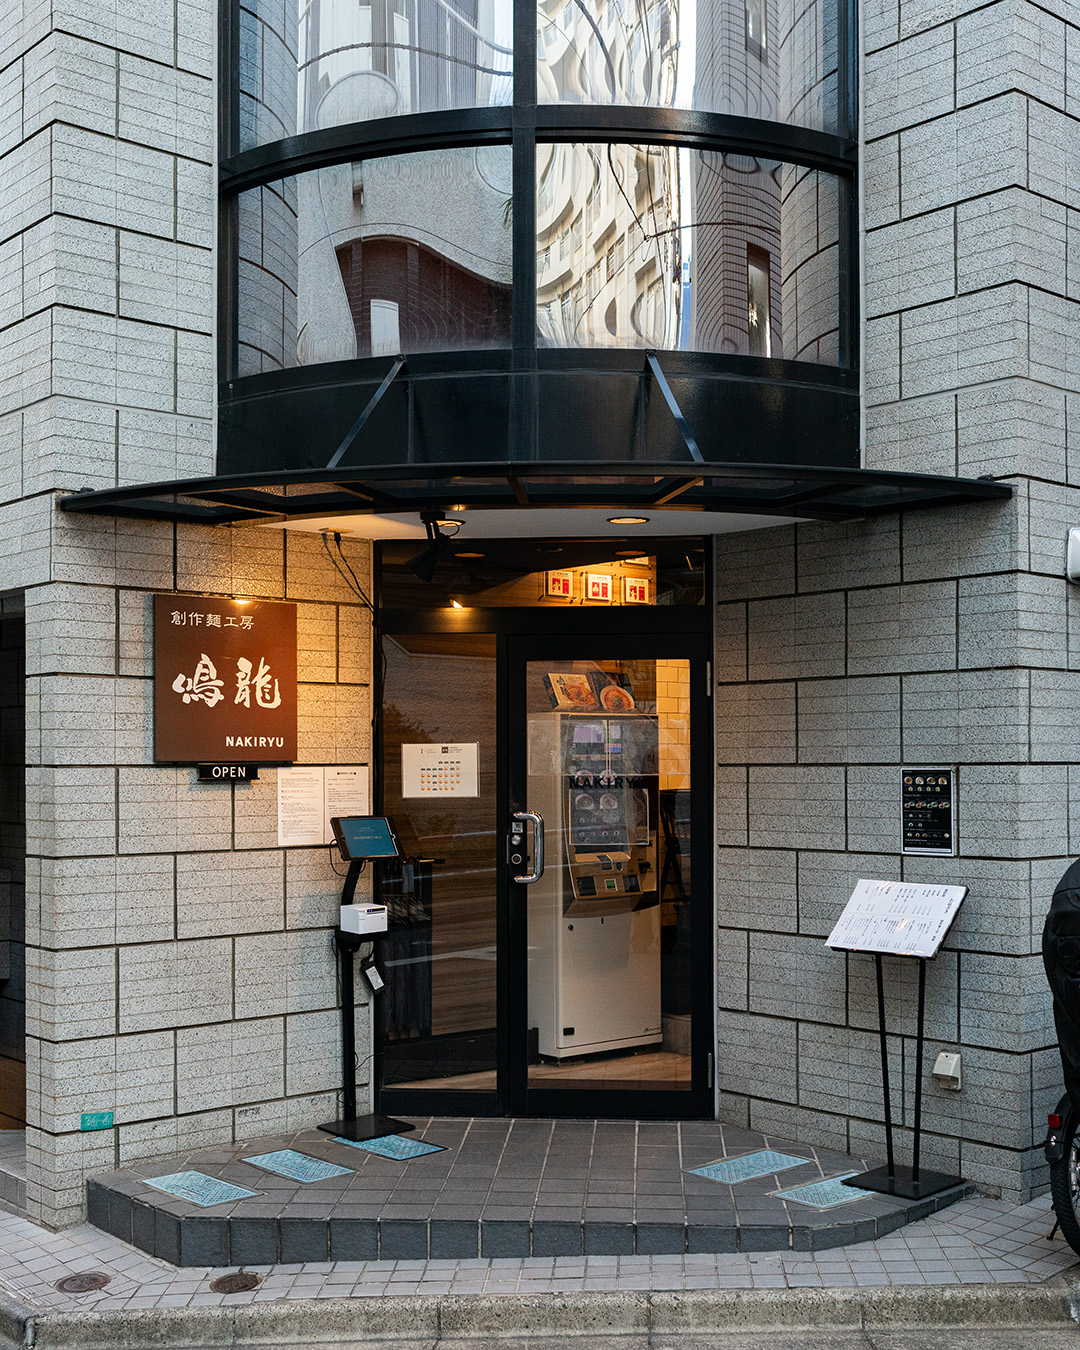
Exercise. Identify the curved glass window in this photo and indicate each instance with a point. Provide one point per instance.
(688, 250)
(404, 254)
(773, 59)
(306, 65)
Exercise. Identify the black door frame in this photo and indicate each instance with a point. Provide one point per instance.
(569, 628)
(697, 1103)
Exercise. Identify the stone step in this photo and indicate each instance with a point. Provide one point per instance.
(497, 1188)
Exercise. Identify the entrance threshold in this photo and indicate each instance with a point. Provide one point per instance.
(501, 1188)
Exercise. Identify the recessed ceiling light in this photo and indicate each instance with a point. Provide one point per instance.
(469, 555)
(628, 520)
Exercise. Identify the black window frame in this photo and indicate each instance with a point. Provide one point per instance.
(523, 125)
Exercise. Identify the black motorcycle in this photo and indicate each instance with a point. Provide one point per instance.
(1063, 1154)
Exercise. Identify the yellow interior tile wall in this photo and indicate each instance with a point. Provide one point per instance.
(673, 709)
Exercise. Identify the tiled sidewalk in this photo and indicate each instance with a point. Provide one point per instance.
(977, 1241)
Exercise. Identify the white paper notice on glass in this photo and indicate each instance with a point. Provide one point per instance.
(896, 918)
(440, 769)
(308, 795)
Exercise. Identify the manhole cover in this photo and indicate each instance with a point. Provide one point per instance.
(237, 1283)
(82, 1284)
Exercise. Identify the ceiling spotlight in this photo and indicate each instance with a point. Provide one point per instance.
(456, 604)
(424, 563)
(447, 521)
(628, 520)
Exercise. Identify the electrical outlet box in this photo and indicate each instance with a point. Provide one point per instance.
(947, 1071)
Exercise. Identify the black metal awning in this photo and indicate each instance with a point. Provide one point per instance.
(793, 491)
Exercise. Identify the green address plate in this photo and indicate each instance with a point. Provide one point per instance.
(96, 1120)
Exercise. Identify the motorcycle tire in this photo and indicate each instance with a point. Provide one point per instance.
(1065, 1190)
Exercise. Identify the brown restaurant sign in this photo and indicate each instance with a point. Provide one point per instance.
(224, 680)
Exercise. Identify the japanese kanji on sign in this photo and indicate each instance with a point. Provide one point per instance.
(224, 680)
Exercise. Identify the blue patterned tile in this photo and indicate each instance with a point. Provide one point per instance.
(751, 1165)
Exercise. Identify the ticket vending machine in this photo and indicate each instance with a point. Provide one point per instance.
(593, 916)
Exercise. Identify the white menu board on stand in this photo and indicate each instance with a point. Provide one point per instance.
(896, 918)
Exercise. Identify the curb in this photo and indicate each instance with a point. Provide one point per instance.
(312, 1322)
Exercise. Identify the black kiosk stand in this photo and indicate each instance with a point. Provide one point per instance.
(901, 919)
(359, 839)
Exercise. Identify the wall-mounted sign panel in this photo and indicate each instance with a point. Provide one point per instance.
(228, 773)
(896, 918)
(635, 591)
(224, 680)
(598, 586)
(927, 812)
(440, 770)
(561, 585)
(96, 1120)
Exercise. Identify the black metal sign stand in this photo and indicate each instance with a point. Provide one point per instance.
(351, 1126)
(909, 1182)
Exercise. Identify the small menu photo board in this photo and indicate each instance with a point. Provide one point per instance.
(434, 770)
(896, 918)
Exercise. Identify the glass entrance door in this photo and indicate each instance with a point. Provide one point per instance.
(550, 937)
(438, 1023)
(610, 913)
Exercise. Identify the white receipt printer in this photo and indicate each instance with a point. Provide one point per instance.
(364, 920)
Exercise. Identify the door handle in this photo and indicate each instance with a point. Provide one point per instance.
(538, 846)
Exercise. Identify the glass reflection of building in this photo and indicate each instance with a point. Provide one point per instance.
(745, 58)
(679, 249)
(690, 196)
(350, 260)
(649, 246)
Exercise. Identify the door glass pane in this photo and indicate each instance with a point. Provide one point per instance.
(609, 920)
(439, 1003)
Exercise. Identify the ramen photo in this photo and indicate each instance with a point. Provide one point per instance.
(613, 698)
(571, 692)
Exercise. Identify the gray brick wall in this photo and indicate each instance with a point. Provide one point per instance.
(942, 637)
(810, 748)
(179, 964)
